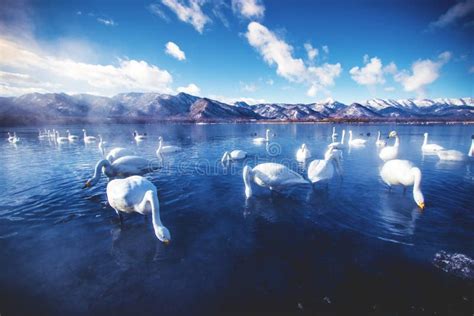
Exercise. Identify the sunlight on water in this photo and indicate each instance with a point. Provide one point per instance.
(58, 240)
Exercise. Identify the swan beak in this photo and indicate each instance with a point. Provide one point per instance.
(422, 205)
(166, 242)
(87, 185)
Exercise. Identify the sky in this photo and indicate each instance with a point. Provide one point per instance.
(257, 51)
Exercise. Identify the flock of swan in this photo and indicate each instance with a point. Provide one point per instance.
(128, 191)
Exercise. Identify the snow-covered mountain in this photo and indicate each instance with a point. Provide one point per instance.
(143, 107)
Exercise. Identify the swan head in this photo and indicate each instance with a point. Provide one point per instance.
(425, 134)
(419, 199)
(392, 134)
(163, 234)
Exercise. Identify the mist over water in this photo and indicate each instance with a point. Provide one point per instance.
(351, 246)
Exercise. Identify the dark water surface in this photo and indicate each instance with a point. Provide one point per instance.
(351, 248)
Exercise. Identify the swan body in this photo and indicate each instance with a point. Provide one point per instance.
(166, 149)
(456, 155)
(272, 176)
(380, 142)
(88, 139)
(430, 148)
(339, 145)
(139, 137)
(118, 152)
(356, 141)
(303, 153)
(61, 139)
(137, 194)
(390, 152)
(43, 134)
(14, 139)
(122, 167)
(263, 139)
(323, 169)
(71, 137)
(234, 155)
(403, 172)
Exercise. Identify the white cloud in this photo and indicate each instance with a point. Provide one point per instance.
(325, 49)
(390, 68)
(249, 8)
(311, 51)
(173, 50)
(156, 9)
(423, 73)
(67, 75)
(456, 12)
(371, 74)
(191, 13)
(276, 51)
(107, 22)
(190, 89)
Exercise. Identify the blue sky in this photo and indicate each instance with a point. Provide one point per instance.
(258, 51)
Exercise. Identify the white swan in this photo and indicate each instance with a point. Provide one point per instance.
(323, 169)
(61, 139)
(234, 155)
(88, 139)
(380, 142)
(124, 166)
(303, 153)
(10, 137)
(15, 139)
(118, 152)
(262, 139)
(166, 149)
(137, 194)
(356, 141)
(339, 145)
(272, 176)
(43, 134)
(70, 137)
(403, 172)
(390, 152)
(334, 134)
(430, 148)
(139, 137)
(456, 155)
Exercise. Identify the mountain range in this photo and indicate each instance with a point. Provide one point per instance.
(148, 107)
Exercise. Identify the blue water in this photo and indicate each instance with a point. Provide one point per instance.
(349, 248)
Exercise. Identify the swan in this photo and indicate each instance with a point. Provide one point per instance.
(403, 172)
(43, 134)
(430, 148)
(166, 149)
(61, 139)
(323, 169)
(139, 137)
(380, 142)
(334, 134)
(10, 137)
(303, 153)
(137, 194)
(390, 152)
(115, 153)
(234, 155)
(270, 175)
(101, 145)
(124, 166)
(339, 145)
(262, 139)
(356, 141)
(15, 139)
(456, 155)
(88, 139)
(71, 137)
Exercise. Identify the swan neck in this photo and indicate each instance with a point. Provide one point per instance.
(378, 136)
(397, 141)
(160, 146)
(417, 180)
(471, 150)
(425, 141)
(342, 136)
(247, 174)
(98, 168)
(267, 135)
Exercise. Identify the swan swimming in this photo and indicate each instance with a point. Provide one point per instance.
(380, 142)
(430, 148)
(390, 152)
(88, 139)
(10, 137)
(137, 194)
(124, 166)
(456, 155)
(61, 139)
(262, 139)
(334, 134)
(139, 137)
(14, 139)
(270, 175)
(43, 134)
(234, 155)
(71, 137)
(166, 149)
(323, 169)
(403, 172)
(356, 141)
(303, 153)
(339, 145)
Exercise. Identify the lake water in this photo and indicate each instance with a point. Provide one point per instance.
(349, 248)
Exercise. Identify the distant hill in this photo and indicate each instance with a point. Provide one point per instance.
(148, 107)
